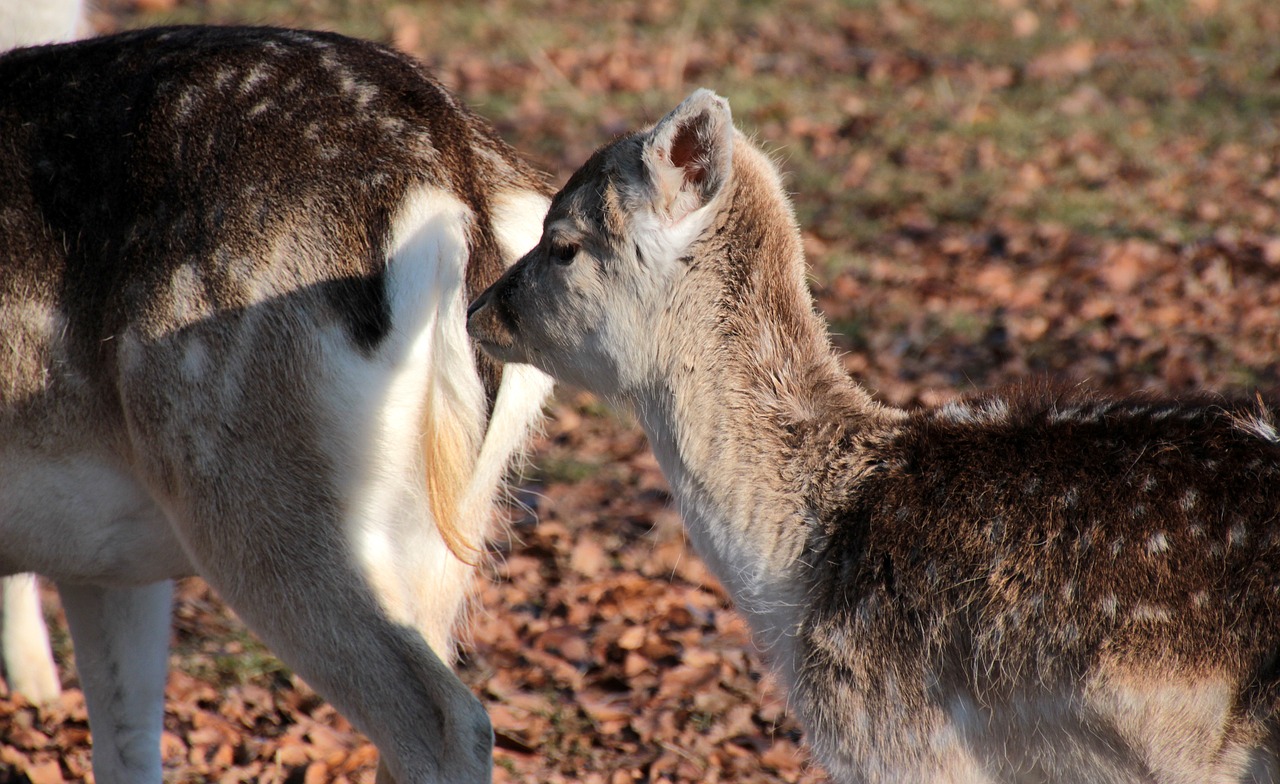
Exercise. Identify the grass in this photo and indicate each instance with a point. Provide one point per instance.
(237, 658)
(563, 469)
(1166, 77)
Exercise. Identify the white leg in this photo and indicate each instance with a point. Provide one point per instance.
(28, 661)
(121, 638)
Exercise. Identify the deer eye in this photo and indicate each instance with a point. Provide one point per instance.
(563, 252)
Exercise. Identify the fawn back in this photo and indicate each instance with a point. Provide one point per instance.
(1028, 586)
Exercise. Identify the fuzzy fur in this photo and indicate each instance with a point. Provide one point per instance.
(1024, 586)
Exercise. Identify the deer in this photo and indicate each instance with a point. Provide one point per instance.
(1024, 584)
(234, 271)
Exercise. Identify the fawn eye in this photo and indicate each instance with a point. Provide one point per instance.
(563, 252)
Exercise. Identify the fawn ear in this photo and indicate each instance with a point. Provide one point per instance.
(689, 155)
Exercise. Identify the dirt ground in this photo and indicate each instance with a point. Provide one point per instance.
(1086, 192)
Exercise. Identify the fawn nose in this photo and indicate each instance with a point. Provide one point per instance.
(479, 303)
(486, 324)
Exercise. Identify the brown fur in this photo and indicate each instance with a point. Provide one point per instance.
(1023, 586)
(233, 263)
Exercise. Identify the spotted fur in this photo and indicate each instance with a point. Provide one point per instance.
(1027, 585)
(234, 268)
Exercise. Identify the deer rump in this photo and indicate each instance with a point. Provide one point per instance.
(234, 267)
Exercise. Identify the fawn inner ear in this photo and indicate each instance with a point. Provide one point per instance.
(687, 154)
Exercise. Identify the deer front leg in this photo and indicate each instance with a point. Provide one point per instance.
(121, 638)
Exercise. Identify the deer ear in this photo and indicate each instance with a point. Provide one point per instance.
(689, 155)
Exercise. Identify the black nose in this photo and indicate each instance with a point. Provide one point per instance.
(480, 302)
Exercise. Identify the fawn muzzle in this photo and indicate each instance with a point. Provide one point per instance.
(489, 322)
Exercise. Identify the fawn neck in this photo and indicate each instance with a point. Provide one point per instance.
(749, 403)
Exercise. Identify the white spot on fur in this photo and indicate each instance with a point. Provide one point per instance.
(255, 76)
(990, 411)
(393, 125)
(1151, 613)
(1158, 543)
(1068, 414)
(223, 77)
(1238, 535)
(1189, 499)
(662, 242)
(1109, 605)
(188, 101)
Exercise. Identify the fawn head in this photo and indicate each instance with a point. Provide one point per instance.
(585, 304)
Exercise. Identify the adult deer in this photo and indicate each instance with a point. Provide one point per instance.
(1016, 587)
(234, 267)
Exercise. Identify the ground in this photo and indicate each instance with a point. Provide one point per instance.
(1085, 191)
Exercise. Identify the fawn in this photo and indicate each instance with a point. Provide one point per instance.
(234, 269)
(1021, 587)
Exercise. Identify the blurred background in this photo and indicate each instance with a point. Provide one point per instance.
(1085, 191)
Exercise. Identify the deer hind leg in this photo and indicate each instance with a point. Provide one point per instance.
(271, 487)
(28, 661)
(298, 587)
(121, 638)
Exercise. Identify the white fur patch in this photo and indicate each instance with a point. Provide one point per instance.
(517, 221)
(427, 360)
(662, 242)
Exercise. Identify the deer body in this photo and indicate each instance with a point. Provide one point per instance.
(1020, 587)
(235, 264)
